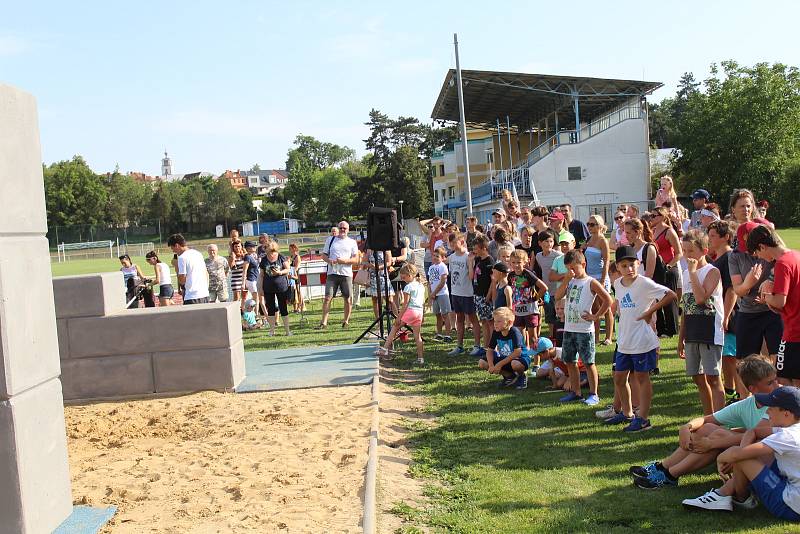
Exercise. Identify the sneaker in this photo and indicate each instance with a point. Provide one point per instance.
(748, 504)
(570, 397)
(656, 479)
(534, 370)
(521, 382)
(475, 352)
(617, 419)
(592, 400)
(438, 337)
(380, 351)
(458, 351)
(606, 413)
(655, 371)
(638, 424)
(446, 339)
(506, 382)
(642, 471)
(420, 361)
(710, 501)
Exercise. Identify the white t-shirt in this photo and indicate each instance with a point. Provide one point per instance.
(460, 282)
(164, 277)
(635, 336)
(344, 248)
(416, 293)
(786, 444)
(579, 301)
(192, 264)
(435, 273)
(713, 304)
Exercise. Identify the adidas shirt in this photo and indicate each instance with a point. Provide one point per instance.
(635, 336)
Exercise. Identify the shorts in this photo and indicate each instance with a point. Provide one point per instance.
(412, 317)
(788, 361)
(441, 304)
(550, 316)
(165, 291)
(702, 358)
(398, 285)
(754, 328)
(251, 286)
(483, 308)
(769, 485)
(639, 363)
(526, 321)
(578, 343)
(525, 360)
(465, 305)
(335, 282)
(203, 300)
(729, 348)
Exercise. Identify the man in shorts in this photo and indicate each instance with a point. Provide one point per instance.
(340, 253)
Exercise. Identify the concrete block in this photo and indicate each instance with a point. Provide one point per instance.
(28, 340)
(62, 329)
(34, 474)
(109, 376)
(195, 370)
(170, 328)
(21, 182)
(90, 295)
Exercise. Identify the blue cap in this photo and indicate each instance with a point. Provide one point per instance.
(701, 193)
(543, 345)
(786, 397)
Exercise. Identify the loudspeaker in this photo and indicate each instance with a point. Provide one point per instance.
(382, 229)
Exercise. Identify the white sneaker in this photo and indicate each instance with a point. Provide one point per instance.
(711, 501)
(748, 504)
(476, 351)
(606, 413)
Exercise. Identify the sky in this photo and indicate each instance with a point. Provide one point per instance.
(227, 85)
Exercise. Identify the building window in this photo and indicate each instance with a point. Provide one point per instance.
(436, 195)
(451, 191)
(573, 173)
(434, 171)
(490, 157)
(441, 170)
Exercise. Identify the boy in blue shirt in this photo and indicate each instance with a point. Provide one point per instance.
(506, 354)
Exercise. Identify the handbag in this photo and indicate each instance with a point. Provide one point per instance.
(362, 277)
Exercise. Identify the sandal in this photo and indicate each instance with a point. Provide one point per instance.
(345, 324)
(322, 326)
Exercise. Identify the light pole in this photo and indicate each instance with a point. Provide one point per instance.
(401, 211)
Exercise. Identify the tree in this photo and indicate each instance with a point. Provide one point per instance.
(408, 181)
(255, 168)
(742, 132)
(73, 193)
(333, 190)
(222, 201)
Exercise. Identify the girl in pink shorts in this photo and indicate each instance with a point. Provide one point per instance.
(410, 312)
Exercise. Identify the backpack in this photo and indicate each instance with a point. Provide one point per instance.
(660, 273)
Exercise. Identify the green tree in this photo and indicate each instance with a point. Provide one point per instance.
(742, 132)
(244, 206)
(408, 181)
(128, 200)
(333, 190)
(74, 193)
(222, 200)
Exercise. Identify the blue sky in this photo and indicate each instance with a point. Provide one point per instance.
(226, 85)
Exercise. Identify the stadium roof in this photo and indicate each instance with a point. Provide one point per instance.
(529, 98)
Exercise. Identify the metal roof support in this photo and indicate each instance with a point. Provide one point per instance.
(577, 106)
(465, 148)
(510, 151)
(556, 114)
(499, 145)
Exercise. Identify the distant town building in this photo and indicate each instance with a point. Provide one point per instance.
(168, 176)
(263, 182)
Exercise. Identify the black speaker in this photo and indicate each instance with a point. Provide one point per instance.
(382, 229)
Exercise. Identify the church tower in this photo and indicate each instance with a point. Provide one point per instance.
(166, 165)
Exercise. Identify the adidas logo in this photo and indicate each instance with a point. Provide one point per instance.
(627, 301)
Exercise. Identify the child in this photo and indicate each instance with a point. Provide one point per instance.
(527, 289)
(461, 296)
(545, 351)
(581, 290)
(249, 321)
(506, 354)
(410, 312)
(439, 298)
(544, 260)
(163, 279)
(700, 338)
(637, 299)
(502, 293)
(768, 467)
(566, 242)
(251, 271)
(563, 377)
(703, 438)
(482, 287)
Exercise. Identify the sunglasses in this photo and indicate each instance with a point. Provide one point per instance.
(591, 224)
(619, 218)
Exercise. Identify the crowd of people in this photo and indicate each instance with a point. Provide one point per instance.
(724, 284)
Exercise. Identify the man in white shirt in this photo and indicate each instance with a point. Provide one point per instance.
(340, 253)
(192, 271)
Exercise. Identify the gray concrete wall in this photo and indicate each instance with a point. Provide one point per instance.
(108, 351)
(35, 493)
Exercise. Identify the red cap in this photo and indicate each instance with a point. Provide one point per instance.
(556, 216)
(744, 228)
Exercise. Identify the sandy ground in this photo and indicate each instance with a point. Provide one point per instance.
(210, 462)
(398, 411)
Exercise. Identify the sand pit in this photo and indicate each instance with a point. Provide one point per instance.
(289, 461)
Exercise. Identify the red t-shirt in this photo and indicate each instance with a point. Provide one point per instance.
(787, 282)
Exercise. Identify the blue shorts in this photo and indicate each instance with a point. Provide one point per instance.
(640, 363)
(465, 305)
(729, 348)
(166, 291)
(769, 486)
(524, 359)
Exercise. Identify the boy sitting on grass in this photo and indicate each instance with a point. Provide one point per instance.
(506, 354)
(770, 467)
(703, 438)
(546, 351)
(249, 320)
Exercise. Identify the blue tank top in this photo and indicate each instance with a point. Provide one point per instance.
(500, 299)
(594, 262)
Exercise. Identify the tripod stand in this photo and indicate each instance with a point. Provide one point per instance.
(383, 303)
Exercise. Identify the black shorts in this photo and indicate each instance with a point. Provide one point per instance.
(788, 362)
(752, 329)
(398, 285)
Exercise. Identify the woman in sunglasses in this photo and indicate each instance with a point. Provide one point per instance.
(618, 237)
(597, 252)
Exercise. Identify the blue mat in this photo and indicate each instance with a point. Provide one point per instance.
(86, 520)
(306, 367)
